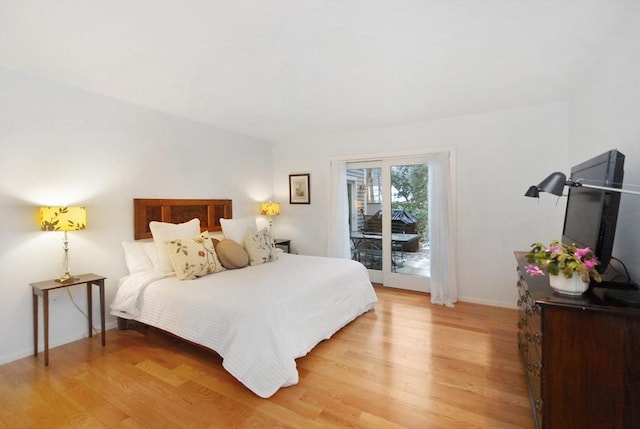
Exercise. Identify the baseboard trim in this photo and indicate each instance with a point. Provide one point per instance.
(52, 344)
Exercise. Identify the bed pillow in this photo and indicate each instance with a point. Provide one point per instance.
(231, 254)
(163, 231)
(260, 247)
(236, 229)
(136, 256)
(193, 257)
(152, 252)
(218, 236)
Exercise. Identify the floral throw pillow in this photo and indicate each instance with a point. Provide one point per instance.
(260, 247)
(194, 257)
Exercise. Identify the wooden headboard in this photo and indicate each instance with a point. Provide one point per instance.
(178, 211)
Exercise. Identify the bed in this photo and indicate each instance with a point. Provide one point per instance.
(260, 318)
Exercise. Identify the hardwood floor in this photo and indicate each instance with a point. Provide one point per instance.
(408, 364)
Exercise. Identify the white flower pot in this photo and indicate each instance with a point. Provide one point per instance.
(572, 286)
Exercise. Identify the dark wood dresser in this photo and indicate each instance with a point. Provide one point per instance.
(581, 355)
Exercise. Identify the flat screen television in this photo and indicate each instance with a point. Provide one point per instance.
(591, 214)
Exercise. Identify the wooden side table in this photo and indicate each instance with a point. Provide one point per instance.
(283, 242)
(42, 289)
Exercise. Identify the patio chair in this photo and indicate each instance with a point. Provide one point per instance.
(397, 249)
(370, 252)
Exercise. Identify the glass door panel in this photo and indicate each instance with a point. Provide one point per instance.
(388, 209)
(407, 222)
(365, 201)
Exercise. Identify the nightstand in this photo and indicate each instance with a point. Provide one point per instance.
(282, 243)
(41, 289)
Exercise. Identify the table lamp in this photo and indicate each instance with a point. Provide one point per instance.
(63, 219)
(270, 209)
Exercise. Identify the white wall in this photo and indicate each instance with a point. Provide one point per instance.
(605, 114)
(498, 155)
(60, 145)
(522, 145)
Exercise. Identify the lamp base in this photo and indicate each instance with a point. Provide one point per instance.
(66, 277)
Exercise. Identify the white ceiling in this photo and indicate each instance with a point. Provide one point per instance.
(285, 69)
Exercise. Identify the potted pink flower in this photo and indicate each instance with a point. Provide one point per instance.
(570, 267)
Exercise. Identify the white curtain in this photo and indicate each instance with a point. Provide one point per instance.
(338, 245)
(444, 283)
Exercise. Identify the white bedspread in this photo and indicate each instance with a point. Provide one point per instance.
(260, 318)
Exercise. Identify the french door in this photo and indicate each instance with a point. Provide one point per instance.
(388, 220)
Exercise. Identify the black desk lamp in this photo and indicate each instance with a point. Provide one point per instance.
(555, 183)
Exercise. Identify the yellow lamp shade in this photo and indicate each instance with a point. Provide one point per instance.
(63, 218)
(270, 209)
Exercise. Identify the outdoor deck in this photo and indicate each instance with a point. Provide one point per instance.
(413, 263)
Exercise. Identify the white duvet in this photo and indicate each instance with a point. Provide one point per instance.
(260, 318)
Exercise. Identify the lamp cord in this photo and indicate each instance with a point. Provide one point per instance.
(93, 328)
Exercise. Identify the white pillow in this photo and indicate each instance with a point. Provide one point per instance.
(163, 231)
(136, 256)
(260, 247)
(152, 253)
(237, 229)
(217, 235)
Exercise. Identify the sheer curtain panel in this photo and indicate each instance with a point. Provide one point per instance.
(338, 217)
(444, 283)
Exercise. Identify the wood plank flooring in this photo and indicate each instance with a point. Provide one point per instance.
(407, 364)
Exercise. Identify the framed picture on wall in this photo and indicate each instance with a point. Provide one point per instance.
(299, 190)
